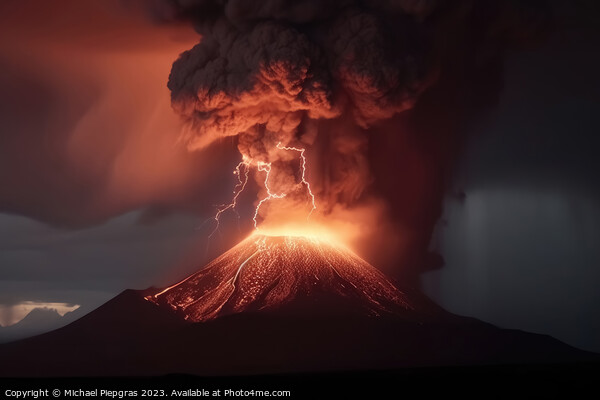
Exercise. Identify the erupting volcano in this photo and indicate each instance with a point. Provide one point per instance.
(342, 123)
(269, 272)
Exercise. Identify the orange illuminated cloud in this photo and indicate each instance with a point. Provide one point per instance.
(11, 314)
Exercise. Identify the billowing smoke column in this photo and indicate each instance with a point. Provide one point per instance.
(324, 75)
(269, 71)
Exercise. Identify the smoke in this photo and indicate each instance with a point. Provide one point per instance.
(269, 72)
(326, 75)
(378, 93)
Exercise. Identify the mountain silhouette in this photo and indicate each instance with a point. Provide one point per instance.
(272, 306)
(37, 321)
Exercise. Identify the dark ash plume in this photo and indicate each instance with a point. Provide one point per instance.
(330, 74)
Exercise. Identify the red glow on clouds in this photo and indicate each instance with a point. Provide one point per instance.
(103, 118)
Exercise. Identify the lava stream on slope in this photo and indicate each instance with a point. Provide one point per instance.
(271, 272)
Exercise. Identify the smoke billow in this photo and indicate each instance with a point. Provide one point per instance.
(324, 75)
(267, 71)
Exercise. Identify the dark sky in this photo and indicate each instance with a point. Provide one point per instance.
(521, 248)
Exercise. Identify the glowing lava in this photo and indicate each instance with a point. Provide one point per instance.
(268, 272)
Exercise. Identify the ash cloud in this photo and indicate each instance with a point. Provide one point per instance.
(266, 71)
(344, 77)
(378, 92)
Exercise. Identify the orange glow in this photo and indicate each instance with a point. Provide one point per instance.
(314, 231)
(237, 190)
(12, 314)
(266, 168)
(267, 272)
(303, 181)
(110, 119)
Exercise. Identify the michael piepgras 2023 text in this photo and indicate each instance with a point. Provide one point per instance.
(120, 394)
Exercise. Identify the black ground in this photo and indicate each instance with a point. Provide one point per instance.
(129, 336)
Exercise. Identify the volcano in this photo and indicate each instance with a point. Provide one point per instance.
(273, 305)
(265, 273)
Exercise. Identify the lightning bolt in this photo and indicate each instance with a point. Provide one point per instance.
(303, 181)
(266, 168)
(243, 168)
(237, 190)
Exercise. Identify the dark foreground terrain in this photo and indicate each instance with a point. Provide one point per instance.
(129, 336)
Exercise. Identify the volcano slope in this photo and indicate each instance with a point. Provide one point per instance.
(267, 273)
(275, 305)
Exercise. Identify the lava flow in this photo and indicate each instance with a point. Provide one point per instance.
(269, 272)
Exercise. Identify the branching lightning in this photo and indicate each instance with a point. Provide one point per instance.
(303, 181)
(243, 168)
(266, 168)
(237, 190)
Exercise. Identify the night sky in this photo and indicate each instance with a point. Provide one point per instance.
(95, 197)
(522, 246)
